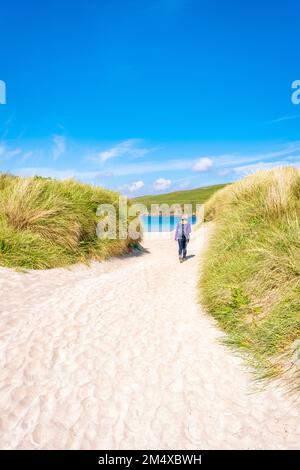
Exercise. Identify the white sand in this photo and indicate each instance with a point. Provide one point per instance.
(120, 356)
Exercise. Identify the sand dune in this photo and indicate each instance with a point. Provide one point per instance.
(120, 356)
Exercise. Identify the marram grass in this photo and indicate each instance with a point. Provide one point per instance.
(45, 223)
(250, 279)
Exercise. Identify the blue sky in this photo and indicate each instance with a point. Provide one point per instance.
(149, 96)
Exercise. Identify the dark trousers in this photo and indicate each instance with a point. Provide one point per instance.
(182, 247)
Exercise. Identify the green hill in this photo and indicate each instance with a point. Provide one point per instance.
(192, 196)
(45, 223)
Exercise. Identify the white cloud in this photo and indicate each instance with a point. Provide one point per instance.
(6, 153)
(136, 186)
(61, 174)
(203, 164)
(125, 148)
(184, 184)
(248, 169)
(151, 167)
(162, 183)
(220, 162)
(27, 155)
(59, 146)
(224, 172)
(285, 118)
(232, 159)
(45, 172)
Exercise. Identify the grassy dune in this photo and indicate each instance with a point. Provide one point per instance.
(251, 272)
(46, 223)
(191, 196)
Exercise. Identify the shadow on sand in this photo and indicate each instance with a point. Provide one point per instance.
(189, 257)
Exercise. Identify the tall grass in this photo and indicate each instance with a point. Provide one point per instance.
(251, 274)
(46, 223)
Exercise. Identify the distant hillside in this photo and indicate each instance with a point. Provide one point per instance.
(192, 196)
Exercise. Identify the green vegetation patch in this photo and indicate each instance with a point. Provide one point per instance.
(192, 196)
(250, 279)
(45, 223)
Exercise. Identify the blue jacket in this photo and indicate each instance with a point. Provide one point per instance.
(187, 230)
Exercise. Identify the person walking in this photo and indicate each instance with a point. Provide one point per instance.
(182, 235)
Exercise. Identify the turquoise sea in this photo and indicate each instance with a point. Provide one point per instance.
(162, 223)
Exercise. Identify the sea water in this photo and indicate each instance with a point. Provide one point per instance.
(162, 223)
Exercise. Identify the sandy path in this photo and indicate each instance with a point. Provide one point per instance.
(119, 356)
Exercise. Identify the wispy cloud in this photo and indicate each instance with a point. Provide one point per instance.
(135, 186)
(161, 184)
(62, 174)
(141, 168)
(27, 155)
(59, 146)
(128, 173)
(224, 172)
(223, 163)
(5, 127)
(129, 148)
(185, 184)
(236, 159)
(285, 118)
(203, 164)
(247, 169)
(6, 153)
